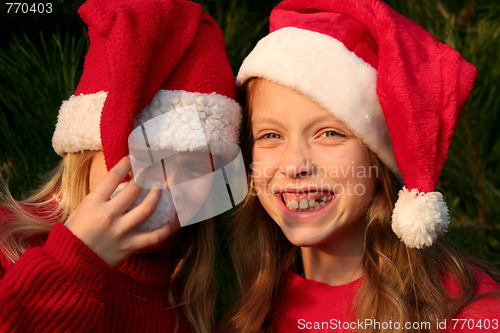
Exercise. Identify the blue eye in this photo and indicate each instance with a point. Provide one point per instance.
(330, 134)
(272, 136)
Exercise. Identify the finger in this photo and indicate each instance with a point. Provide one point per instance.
(114, 177)
(126, 197)
(154, 238)
(144, 210)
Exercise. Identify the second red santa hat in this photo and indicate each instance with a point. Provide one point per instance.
(388, 79)
(147, 58)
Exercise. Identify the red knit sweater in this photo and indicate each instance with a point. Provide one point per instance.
(310, 306)
(63, 286)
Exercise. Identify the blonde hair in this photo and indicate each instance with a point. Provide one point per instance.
(53, 202)
(192, 286)
(402, 284)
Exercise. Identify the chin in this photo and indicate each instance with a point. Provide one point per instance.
(302, 237)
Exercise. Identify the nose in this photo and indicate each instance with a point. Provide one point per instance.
(297, 162)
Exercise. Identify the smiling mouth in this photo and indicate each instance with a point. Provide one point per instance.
(306, 201)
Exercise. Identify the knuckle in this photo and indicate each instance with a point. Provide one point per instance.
(114, 175)
(136, 190)
(126, 247)
(155, 239)
(117, 233)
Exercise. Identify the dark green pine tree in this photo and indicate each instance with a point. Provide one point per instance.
(41, 57)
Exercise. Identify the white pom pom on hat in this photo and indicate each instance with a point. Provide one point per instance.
(397, 88)
(419, 218)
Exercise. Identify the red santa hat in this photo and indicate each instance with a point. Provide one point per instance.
(147, 58)
(396, 87)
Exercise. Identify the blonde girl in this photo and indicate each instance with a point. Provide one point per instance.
(349, 112)
(89, 252)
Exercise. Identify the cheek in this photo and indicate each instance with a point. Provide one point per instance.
(262, 168)
(365, 173)
(362, 178)
(259, 157)
(350, 162)
(259, 181)
(201, 188)
(350, 170)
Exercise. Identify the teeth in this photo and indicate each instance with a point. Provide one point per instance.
(303, 204)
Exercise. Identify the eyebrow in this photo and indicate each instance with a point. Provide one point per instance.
(264, 119)
(272, 120)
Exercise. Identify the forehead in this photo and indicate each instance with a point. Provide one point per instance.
(269, 100)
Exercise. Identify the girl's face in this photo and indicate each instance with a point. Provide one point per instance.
(310, 172)
(193, 169)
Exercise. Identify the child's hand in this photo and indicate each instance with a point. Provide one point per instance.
(102, 224)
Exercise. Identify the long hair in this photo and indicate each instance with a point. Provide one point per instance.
(402, 284)
(192, 281)
(191, 285)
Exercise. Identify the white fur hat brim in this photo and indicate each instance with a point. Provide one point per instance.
(78, 125)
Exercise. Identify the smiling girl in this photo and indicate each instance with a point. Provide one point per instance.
(349, 112)
(307, 187)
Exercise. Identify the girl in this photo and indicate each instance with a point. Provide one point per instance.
(347, 103)
(72, 258)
